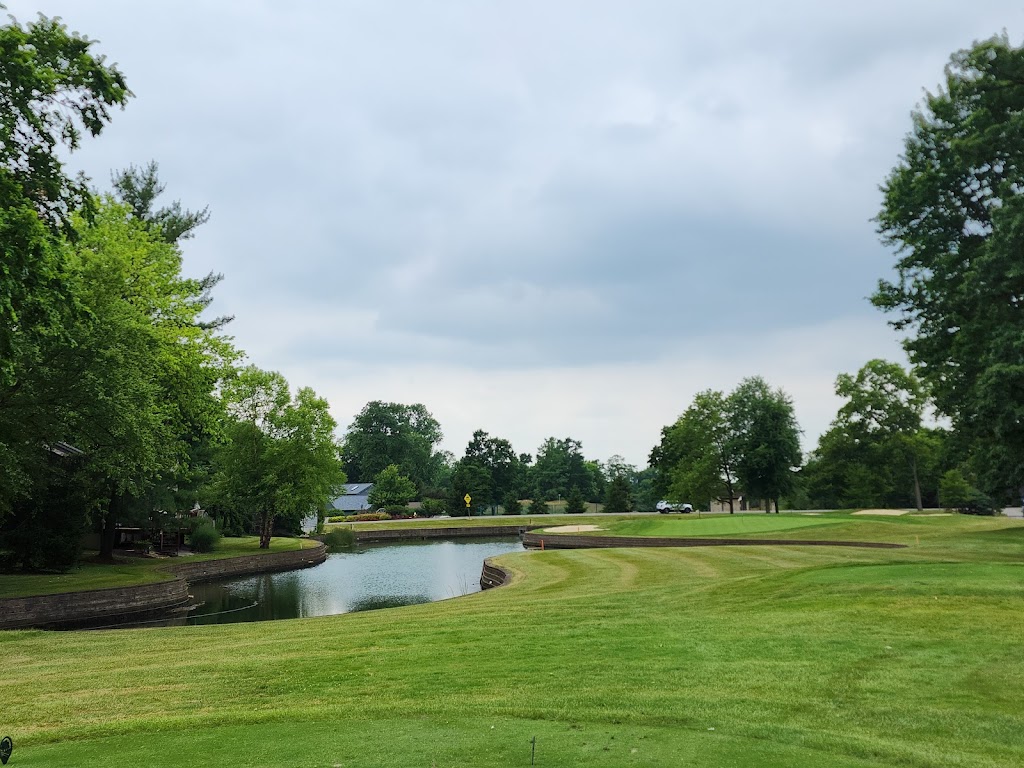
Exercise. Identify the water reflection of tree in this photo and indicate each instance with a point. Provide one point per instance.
(374, 602)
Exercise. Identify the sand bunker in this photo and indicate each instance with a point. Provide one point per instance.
(573, 529)
(886, 512)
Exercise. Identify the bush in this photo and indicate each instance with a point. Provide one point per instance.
(431, 508)
(537, 507)
(955, 492)
(339, 538)
(398, 512)
(362, 517)
(203, 536)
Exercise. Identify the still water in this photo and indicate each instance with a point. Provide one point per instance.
(368, 577)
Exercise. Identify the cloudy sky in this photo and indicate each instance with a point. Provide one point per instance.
(536, 218)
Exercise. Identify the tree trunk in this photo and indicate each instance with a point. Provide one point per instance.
(266, 528)
(917, 484)
(108, 534)
(776, 506)
(728, 488)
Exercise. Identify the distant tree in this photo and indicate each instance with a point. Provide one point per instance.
(496, 457)
(280, 460)
(644, 497)
(953, 208)
(560, 466)
(575, 502)
(765, 441)
(884, 407)
(468, 478)
(537, 507)
(390, 487)
(696, 459)
(393, 433)
(617, 501)
(512, 504)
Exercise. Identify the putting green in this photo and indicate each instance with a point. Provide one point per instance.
(717, 525)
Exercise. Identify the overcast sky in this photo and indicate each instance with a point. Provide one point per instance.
(536, 218)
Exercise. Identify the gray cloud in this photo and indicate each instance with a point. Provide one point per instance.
(525, 186)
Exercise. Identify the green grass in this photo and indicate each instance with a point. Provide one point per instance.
(717, 525)
(718, 656)
(128, 571)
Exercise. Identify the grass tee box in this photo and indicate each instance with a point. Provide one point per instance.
(728, 656)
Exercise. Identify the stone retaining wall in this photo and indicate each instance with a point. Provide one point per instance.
(493, 575)
(454, 532)
(568, 541)
(207, 570)
(98, 607)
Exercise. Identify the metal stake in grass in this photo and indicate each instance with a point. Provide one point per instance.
(533, 749)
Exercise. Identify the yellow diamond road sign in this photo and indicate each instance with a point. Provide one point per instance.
(467, 499)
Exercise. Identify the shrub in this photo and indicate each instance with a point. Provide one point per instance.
(339, 538)
(203, 536)
(362, 517)
(431, 508)
(398, 512)
(955, 492)
(538, 507)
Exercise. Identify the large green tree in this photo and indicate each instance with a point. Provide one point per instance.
(765, 440)
(281, 461)
(954, 210)
(53, 88)
(407, 436)
(560, 467)
(495, 456)
(876, 452)
(696, 458)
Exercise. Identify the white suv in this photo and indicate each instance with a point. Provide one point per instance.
(665, 507)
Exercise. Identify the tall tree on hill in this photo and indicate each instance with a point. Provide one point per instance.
(954, 210)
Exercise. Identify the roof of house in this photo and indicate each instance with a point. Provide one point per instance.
(353, 498)
(356, 489)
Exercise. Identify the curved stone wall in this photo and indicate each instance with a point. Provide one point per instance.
(493, 575)
(96, 606)
(207, 570)
(123, 604)
(454, 532)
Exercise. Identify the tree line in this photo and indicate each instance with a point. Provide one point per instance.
(397, 447)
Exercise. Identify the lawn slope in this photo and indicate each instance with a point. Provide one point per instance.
(768, 656)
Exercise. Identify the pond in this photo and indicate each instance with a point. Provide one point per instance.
(368, 577)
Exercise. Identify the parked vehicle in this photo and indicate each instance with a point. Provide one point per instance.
(667, 507)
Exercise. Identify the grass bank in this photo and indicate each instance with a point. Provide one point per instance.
(129, 571)
(769, 656)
